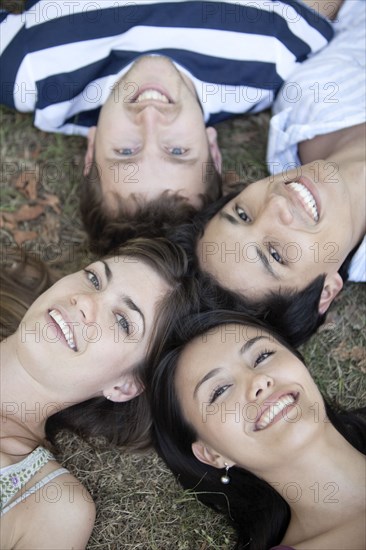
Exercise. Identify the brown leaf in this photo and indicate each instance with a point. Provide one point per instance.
(53, 201)
(50, 228)
(21, 236)
(7, 220)
(27, 184)
(27, 212)
(32, 150)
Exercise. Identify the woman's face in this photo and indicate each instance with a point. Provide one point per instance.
(251, 401)
(82, 336)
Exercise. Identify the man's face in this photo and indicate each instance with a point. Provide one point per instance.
(151, 135)
(282, 232)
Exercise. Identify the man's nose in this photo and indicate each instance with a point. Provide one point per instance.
(154, 113)
(278, 209)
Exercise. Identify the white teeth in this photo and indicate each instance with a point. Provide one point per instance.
(151, 94)
(307, 199)
(273, 410)
(66, 330)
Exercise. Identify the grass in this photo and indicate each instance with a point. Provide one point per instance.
(139, 504)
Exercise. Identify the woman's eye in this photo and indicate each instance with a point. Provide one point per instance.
(92, 278)
(177, 151)
(275, 255)
(262, 356)
(123, 323)
(217, 392)
(242, 214)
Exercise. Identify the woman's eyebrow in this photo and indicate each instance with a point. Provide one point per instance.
(108, 272)
(126, 299)
(249, 343)
(207, 376)
(131, 304)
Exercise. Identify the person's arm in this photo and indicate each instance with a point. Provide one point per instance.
(326, 145)
(326, 8)
(61, 518)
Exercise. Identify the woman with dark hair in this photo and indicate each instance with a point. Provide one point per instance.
(74, 361)
(239, 419)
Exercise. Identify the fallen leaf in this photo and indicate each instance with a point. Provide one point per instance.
(22, 236)
(27, 212)
(32, 150)
(7, 220)
(53, 201)
(50, 230)
(27, 184)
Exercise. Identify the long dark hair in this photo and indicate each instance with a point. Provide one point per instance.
(258, 513)
(124, 424)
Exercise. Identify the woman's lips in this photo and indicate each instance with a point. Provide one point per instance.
(275, 408)
(63, 327)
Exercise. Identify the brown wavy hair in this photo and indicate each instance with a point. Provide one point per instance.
(23, 278)
(124, 424)
(107, 229)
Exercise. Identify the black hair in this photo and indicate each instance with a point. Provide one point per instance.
(294, 313)
(257, 512)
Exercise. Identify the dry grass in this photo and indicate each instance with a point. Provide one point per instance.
(139, 504)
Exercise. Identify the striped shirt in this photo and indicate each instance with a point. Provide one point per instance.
(327, 93)
(61, 59)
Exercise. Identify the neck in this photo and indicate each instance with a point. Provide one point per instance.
(25, 407)
(323, 485)
(345, 149)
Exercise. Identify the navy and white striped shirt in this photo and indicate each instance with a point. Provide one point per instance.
(61, 59)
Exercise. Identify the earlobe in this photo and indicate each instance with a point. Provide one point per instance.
(208, 456)
(214, 148)
(89, 155)
(332, 286)
(127, 390)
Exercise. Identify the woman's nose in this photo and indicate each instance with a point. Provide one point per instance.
(259, 387)
(85, 304)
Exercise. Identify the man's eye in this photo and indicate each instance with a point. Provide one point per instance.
(242, 214)
(123, 323)
(275, 255)
(125, 151)
(91, 276)
(177, 151)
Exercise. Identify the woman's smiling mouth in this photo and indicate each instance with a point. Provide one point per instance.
(273, 411)
(65, 328)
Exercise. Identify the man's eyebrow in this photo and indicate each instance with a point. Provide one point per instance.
(178, 160)
(263, 258)
(131, 304)
(207, 376)
(265, 262)
(135, 160)
(228, 217)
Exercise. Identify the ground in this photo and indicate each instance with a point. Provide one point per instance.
(139, 505)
